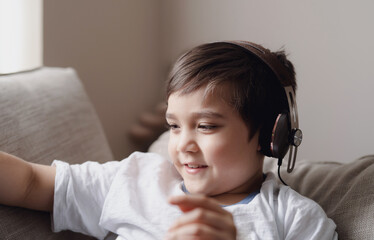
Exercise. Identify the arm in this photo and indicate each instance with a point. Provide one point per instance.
(203, 218)
(25, 184)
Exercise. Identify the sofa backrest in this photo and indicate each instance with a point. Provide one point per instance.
(344, 190)
(45, 114)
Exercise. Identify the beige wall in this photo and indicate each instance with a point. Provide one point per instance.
(330, 43)
(122, 50)
(114, 46)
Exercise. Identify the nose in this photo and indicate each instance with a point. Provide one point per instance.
(187, 142)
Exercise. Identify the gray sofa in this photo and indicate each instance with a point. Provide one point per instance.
(46, 115)
(345, 192)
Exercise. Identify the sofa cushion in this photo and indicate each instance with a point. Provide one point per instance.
(46, 115)
(344, 190)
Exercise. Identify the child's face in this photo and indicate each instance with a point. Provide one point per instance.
(209, 145)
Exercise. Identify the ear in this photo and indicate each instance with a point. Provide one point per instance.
(257, 138)
(259, 147)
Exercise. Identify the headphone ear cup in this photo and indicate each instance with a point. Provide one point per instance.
(280, 142)
(265, 138)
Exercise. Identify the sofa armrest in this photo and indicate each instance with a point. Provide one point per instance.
(46, 115)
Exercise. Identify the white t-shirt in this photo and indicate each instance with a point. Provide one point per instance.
(129, 198)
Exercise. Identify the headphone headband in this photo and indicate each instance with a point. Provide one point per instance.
(295, 135)
(268, 58)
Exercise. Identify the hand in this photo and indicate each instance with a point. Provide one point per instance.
(203, 218)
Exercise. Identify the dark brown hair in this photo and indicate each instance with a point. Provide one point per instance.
(255, 91)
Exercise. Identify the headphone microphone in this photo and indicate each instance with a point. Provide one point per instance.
(285, 134)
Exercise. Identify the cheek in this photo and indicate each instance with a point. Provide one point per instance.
(172, 148)
(227, 147)
(215, 148)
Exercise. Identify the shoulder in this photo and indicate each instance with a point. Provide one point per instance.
(280, 192)
(142, 166)
(298, 215)
(287, 198)
(140, 190)
(145, 156)
(147, 161)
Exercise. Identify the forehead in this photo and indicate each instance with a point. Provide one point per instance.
(202, 97)
(208, 93)
(199, 103)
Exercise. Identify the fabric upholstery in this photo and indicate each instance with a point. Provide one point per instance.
(344, 191)
(46, 115)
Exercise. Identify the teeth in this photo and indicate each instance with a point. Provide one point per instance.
(194, 166)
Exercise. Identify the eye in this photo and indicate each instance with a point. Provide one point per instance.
(172, 126)
(207, 127)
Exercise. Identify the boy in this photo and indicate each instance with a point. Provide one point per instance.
(222, 101)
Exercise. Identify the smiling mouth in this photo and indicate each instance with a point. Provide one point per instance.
(195, 166)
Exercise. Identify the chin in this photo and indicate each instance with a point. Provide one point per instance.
(199, 190)
(193, 189)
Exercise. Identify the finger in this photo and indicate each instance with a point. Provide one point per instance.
(207, 217)
(188, 202)
(198, 231)
(209, 212)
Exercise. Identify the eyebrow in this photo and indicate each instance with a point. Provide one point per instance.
(202, 114)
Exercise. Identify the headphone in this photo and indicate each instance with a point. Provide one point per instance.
(285, 133)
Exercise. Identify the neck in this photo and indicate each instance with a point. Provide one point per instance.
(237, 195)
